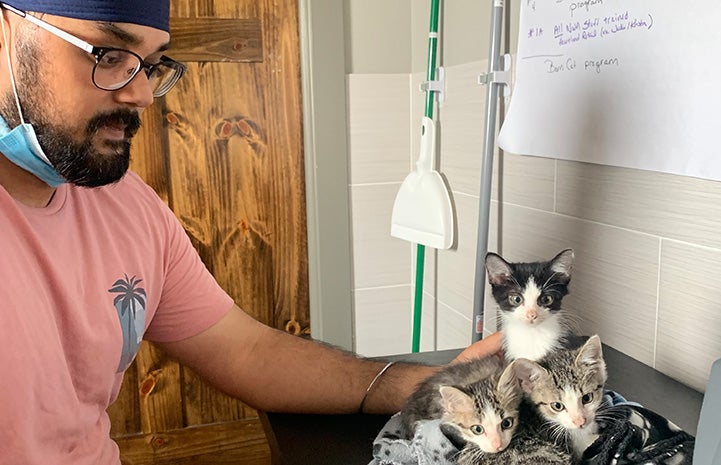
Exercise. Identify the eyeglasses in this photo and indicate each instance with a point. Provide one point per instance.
(115, 67)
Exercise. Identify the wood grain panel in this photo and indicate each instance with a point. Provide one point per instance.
(216, 8)
(219, 181)
(237, 443)
(224, 150)
(159, 391)
(217, 39)
(287, 173)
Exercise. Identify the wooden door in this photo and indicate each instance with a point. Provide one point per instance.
(224, 149)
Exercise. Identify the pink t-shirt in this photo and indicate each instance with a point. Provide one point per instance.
(82, 281)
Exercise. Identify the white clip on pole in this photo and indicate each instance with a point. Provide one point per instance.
(438, 85)
(502, 76)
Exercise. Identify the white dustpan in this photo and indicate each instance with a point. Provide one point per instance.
(422, 211)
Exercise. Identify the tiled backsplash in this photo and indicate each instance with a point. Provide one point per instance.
(648, 248)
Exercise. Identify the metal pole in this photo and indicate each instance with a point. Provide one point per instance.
(489, 145)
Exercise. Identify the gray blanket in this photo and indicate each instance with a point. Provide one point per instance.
(429, 445)
(633, 435)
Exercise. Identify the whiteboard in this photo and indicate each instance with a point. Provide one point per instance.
(628, 83)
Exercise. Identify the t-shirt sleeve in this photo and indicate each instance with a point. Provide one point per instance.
(191, 300)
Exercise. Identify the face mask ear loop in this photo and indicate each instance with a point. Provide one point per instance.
(10, 67)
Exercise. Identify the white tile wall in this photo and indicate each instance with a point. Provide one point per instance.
(384, 325)
(456, 266)
(378, 259)
(665, 205)
(648, 251)
(378, 106)
(689, 312)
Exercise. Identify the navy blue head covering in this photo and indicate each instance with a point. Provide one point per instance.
(153, 13)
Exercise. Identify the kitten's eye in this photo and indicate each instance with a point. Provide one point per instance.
(477, 430)
(557, 406)
(515, 299)
(545, 300)
(507, 423)
(587, 398)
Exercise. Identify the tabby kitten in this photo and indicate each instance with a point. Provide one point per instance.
(477, 401)
(529, 296)
(525, 449)
(565, 389)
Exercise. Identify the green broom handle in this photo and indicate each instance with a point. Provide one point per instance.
(432, 44)
(418, 301)
(421, 249)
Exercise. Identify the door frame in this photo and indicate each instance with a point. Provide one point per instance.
(323, 81)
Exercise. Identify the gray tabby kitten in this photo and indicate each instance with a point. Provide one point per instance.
(476, 400)
(566, 391)
(526, 448)
(529, 296)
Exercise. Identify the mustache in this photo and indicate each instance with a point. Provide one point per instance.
(122, 117)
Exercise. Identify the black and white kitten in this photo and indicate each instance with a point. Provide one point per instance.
(477, 401)
(565, 389)
(529, 296)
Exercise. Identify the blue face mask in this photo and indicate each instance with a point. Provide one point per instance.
(21, 147)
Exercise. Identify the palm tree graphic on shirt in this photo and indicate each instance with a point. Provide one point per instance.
(130, 305)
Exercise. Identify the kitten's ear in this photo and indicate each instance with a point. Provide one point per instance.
(528, 373)
(508, 384)
(454, 400)
(499, 271)
(563, 263)
(591, 354)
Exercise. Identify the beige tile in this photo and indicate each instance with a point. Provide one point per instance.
(454, 328)
(418, 111)
(378, 258)
(689, 316)
(460, 128)
(383, 321)
(379, 135)
(368, 33)
(615, 276)
(526, 181)
(456, 267)
(666, 205)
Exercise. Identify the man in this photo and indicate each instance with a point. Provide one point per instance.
(92, 261)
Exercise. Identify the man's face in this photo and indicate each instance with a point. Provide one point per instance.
(83, 130)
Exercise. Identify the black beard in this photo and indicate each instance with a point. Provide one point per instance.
(80, 163)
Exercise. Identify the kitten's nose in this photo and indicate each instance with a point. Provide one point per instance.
(531, 315)
(579, 421)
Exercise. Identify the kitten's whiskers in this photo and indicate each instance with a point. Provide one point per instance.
(549, 278)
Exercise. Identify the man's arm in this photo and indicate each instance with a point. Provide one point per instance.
(274, 371)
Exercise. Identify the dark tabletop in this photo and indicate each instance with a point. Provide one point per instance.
(347, 439)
